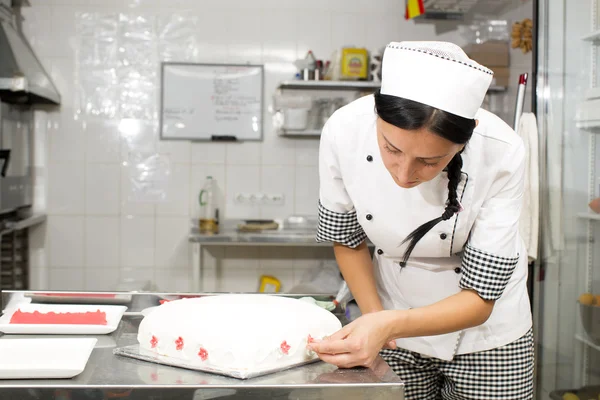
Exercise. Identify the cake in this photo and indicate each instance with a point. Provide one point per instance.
(70, 318)
(236, 332)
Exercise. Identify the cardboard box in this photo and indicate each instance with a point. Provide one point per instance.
(501, 76)
(493, 53)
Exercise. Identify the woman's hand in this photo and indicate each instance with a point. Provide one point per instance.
(358, 343)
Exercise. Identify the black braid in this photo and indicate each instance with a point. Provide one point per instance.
(452, 207)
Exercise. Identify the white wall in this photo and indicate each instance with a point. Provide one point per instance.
(95, 237)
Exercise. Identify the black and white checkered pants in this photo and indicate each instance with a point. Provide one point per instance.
(503, 373)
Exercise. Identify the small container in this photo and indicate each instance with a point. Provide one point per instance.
(308, 74)
(319, 70)
(354, 63)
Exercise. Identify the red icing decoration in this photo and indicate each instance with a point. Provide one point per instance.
(203, 354)
(154, 376)
(310, 339)
(285, 348)
(179, 343)
(70, 318)
(153, 341)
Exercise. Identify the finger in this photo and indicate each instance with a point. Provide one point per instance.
(342, 360)
(341, 334)
(333, 347)
(392, 345)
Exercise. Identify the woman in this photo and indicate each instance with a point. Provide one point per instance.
(436, 184)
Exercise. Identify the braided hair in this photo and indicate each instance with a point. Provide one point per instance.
(410, 115)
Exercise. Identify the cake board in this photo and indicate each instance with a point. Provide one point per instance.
(135, 352)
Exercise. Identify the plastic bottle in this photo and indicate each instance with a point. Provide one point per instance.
(311, 65)
(208, 212)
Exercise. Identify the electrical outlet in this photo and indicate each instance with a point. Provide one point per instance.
(275, 199)
(263, 199)
(243, 198)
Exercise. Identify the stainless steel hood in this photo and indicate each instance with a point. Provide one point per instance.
(23, 79)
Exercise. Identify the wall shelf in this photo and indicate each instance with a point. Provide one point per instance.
(592, 37)
(309, 133)
(593, 125)
(337, 85)
(591, 216)
(587, 341)
(348, 85)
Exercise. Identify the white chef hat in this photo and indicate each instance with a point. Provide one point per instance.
(438, 74)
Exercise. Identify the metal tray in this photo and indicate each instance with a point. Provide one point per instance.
(134, 351)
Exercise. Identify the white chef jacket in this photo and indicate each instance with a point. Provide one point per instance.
(480, 248)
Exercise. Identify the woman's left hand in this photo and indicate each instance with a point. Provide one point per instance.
(358, 343)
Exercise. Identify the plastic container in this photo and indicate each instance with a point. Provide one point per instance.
(208, 218)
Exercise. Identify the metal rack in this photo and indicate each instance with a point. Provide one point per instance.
(590, 220)
(14, 261)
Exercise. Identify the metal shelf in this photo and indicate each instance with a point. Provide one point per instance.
(592, 37)
(300, 134)
(591, 216)
(593, 125)
(339, 85)
(349, 85)
(586, 341)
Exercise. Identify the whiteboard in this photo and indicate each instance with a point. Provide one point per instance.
(211, 101)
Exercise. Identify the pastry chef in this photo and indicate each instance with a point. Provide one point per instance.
(436, 184)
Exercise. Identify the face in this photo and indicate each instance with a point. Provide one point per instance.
(413, 157)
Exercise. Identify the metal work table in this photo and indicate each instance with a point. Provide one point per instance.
(110, 376)
(229, 236)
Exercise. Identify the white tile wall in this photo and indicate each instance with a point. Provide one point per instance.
(102, 242)
(66, 241)
(102, 189)
(138, 241)
(98, 235)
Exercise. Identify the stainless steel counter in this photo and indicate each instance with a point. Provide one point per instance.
(286, 236)
(107, 375)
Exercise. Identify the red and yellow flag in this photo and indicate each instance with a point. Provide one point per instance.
(414, 8)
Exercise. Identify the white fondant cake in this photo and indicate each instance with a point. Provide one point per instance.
(245, 332)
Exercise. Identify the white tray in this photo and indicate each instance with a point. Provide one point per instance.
(44, 358)
(113, 317)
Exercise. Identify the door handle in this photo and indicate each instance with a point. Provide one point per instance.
(4, 155)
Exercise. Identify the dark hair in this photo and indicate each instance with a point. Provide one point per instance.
(411, 115)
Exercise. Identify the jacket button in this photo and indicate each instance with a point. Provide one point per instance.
(443, 236)
(379, 251)
(369, 158)
(369, 217)
(457, 270)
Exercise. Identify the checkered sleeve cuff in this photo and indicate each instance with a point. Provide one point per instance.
(486, 273)
(339, 228)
